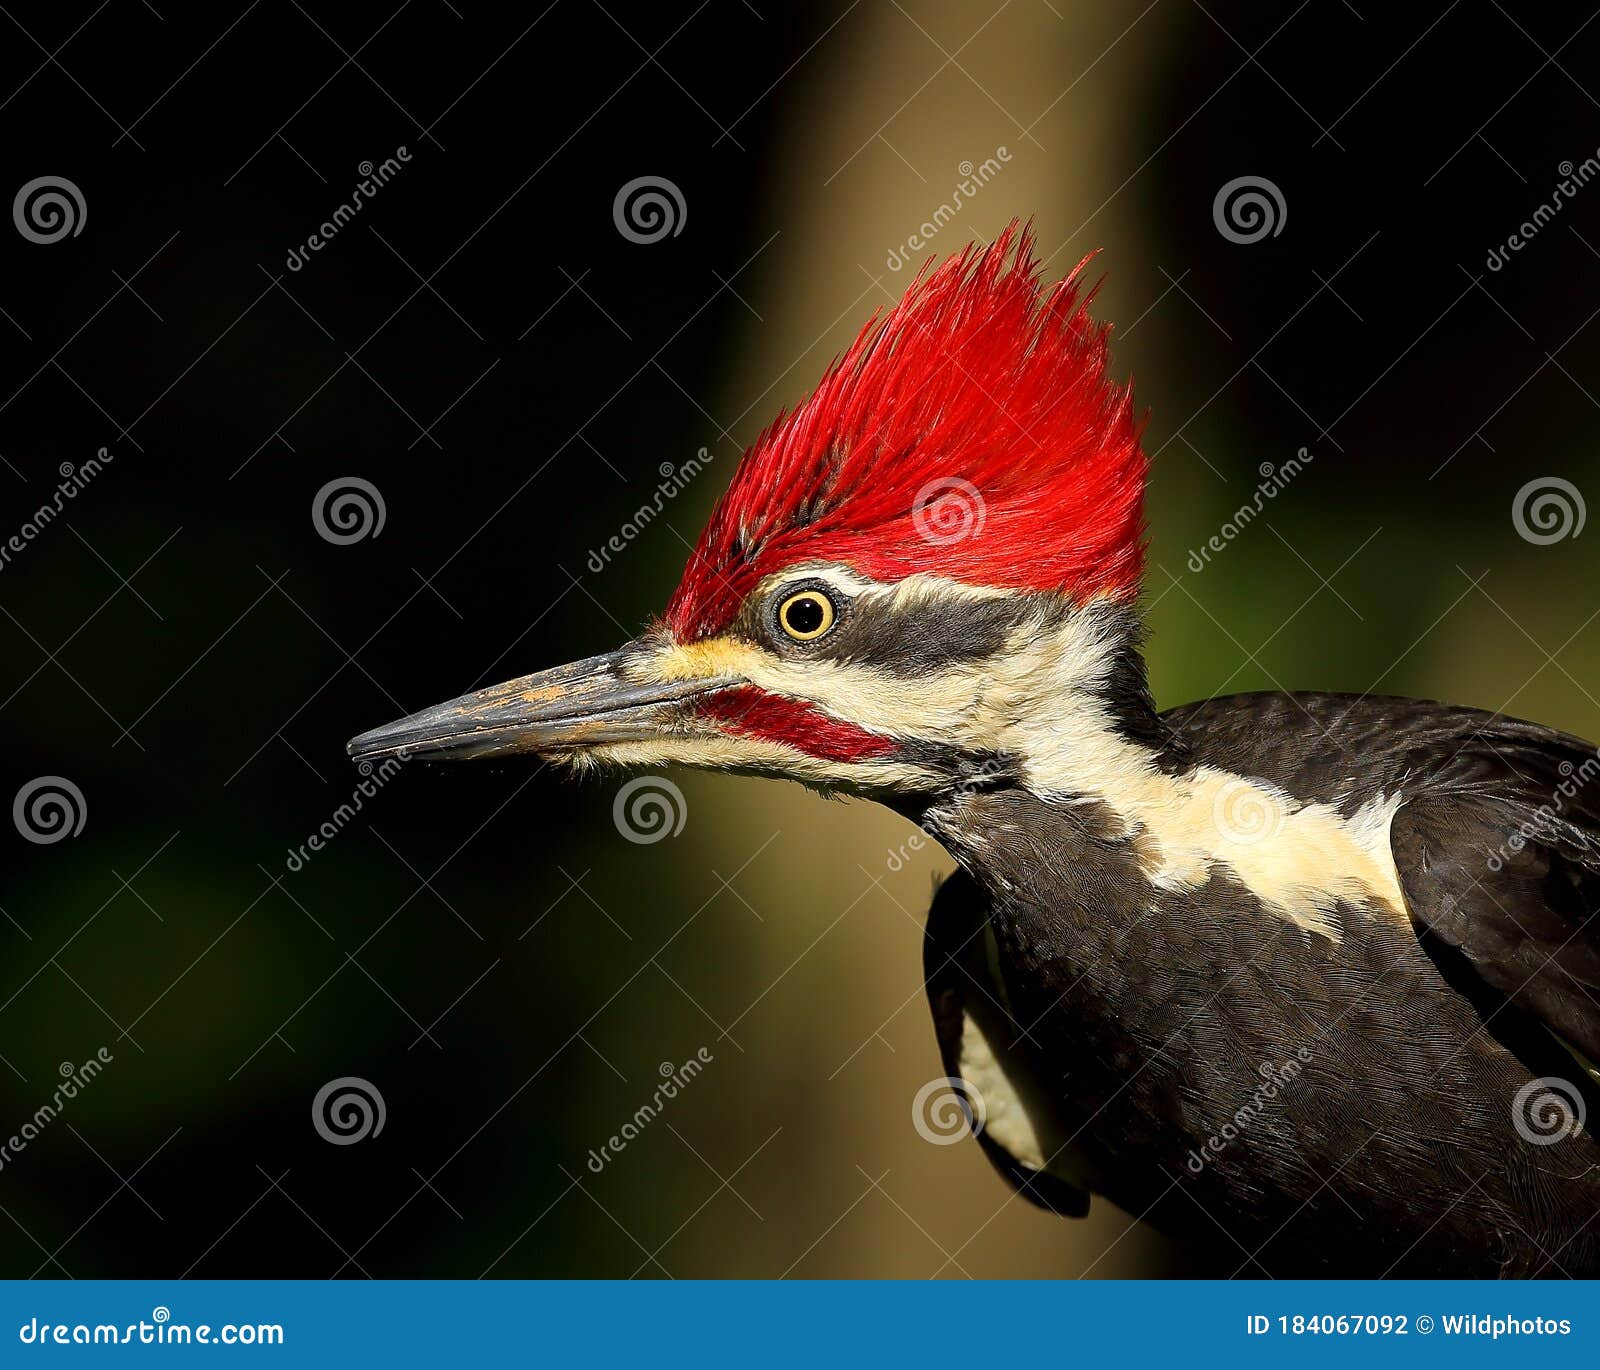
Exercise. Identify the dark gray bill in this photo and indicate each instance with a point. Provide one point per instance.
(560, 710)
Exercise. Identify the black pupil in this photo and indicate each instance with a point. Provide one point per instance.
(804, 616)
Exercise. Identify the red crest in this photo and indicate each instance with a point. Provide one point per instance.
(971, 433)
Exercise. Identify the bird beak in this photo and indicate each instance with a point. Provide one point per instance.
(619, 696)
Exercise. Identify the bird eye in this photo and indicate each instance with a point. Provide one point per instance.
(806, 616)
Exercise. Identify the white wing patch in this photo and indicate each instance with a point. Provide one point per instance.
(1300, 860)
(1005, 1116)
(1018, 1113)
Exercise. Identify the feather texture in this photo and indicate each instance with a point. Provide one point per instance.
(972, 432)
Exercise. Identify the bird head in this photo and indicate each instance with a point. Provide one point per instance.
(910, 579)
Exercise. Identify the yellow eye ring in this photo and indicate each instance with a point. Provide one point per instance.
(806, 616)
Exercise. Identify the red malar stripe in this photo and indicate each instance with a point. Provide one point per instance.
(755, 713)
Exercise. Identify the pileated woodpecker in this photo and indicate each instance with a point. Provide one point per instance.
(1317, 972)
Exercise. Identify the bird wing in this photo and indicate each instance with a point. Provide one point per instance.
(1502, 865)
(1496, 841)
(1002, 1086)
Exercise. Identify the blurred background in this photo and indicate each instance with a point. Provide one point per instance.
(509, 357)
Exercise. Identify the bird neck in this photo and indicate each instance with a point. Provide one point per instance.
(1101, 791)
(1079, 744)
(1073, 720)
